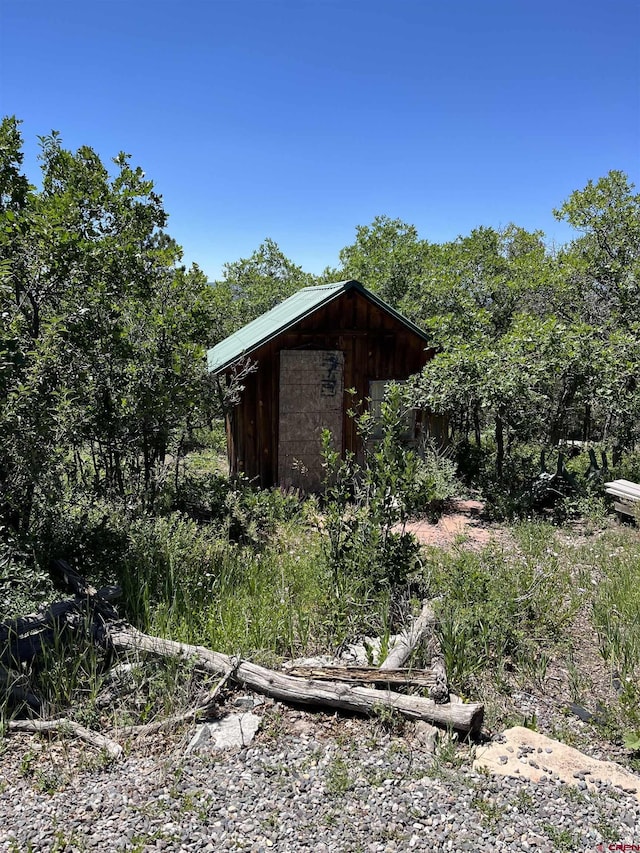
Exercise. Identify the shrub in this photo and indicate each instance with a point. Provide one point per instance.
(368, 505)
(24, 587)
(237, 510)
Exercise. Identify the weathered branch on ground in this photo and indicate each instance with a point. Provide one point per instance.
(410, 639)
(288, 688)
(203, 708)
(112, 749)
(424, 624)
(423, 678)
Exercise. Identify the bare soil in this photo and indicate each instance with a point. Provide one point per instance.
(461, 524)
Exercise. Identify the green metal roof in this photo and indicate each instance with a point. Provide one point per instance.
(285, 315)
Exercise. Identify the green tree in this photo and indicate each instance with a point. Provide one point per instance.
(531, 385)
(603, 265)
(103, 330)
(387, 256)
(251, 286)
(476, 284)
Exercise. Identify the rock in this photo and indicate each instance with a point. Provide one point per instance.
(235, 730)
(580, 712)
(426, 736)
(570, 765)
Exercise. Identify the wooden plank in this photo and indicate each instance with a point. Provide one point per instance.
(624, 484)
(622, 492)
(368, 674)
(625, 509)
(628, 483)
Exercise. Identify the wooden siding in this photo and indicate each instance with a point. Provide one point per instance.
(375, 345)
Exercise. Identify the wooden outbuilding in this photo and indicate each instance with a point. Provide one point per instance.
(317, 353)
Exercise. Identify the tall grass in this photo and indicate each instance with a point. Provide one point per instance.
(229, 596)
(500, 607)
(616, 603)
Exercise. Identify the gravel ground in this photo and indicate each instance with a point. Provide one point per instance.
(307, 783)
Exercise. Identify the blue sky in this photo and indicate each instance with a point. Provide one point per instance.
(301, 119)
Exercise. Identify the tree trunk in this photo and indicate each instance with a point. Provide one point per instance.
(586, 423)
(499, 445)
(476, 427)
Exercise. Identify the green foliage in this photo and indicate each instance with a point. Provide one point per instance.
(493, 602)
(536, 347)
(562, 839)
(237, 511)
(24, 587)
(103, 391)
(366, 506)
(70, 672)
(103, 334)
(252, 286)
(491, 812)
(610, 565)
(604, 263)
(387, 256)
(339, 780)
(628, 466)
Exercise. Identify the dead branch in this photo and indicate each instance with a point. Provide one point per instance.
(424, 624)
(202, 709)
(112, 749)
(288, 688)
(409, 640)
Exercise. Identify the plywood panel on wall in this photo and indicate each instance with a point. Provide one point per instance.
(311, 400)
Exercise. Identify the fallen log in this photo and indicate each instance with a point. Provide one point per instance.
(112, 749)
(423, 678)
(424, 624)
(408, 641)
(289, 688)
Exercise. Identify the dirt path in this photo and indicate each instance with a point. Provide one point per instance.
(462, 525)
